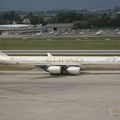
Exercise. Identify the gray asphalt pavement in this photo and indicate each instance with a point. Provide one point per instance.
(37, 95)
(62, 52)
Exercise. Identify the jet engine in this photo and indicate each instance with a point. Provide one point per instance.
(54, 70)
(73, 70)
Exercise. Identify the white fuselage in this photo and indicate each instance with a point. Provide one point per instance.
(64, 59)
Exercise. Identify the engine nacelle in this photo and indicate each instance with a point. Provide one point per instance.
(54, 70)
(73, 70)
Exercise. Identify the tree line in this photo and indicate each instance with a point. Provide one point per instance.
(80, 20)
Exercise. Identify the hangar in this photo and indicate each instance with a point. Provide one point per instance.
(64, 27)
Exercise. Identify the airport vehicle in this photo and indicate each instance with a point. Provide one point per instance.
(56, 65)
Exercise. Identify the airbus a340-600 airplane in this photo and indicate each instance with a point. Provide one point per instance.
(58, 64)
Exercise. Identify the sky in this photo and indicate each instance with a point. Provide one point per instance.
(57, 4)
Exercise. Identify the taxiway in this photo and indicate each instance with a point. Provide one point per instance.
(37, 95)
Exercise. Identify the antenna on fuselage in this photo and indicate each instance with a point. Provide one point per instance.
(49, 55)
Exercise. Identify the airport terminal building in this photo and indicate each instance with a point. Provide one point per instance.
(19, 29)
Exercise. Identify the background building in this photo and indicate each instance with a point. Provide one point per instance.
(65, 27)
(20, 29)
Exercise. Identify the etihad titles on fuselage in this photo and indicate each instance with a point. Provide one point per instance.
(58, 64)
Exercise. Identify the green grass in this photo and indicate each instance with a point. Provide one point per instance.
(66, 43)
